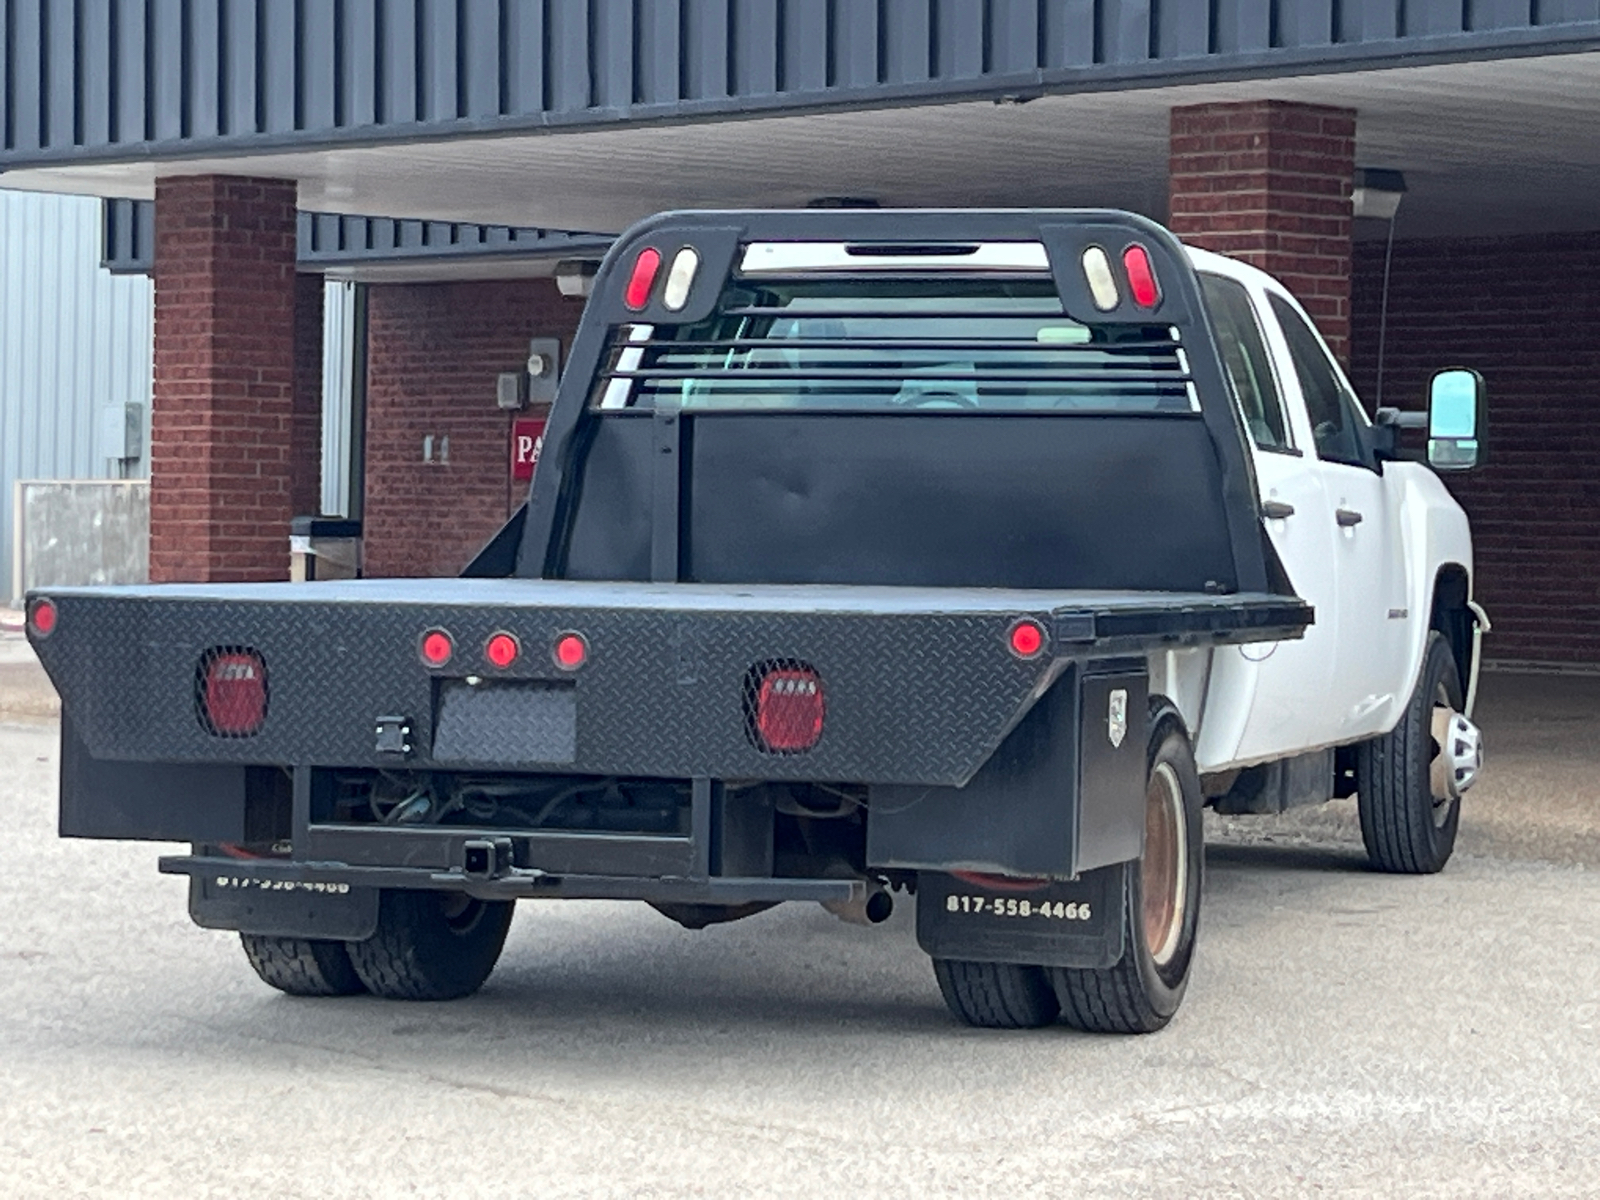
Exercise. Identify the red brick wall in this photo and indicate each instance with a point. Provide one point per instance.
(433, 353)
(1525, 312)
(1269, 182)
(224, 379)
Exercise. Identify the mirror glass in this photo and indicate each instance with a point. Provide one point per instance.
(1455, 401)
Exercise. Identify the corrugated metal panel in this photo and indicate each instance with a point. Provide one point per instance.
(109, 79)
(332, 240)
(338, 383)
(73, 341)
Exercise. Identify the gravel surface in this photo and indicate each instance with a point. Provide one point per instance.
(1345, 1033)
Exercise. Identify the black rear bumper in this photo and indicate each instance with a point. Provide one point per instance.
(971, 756)
(921, 684)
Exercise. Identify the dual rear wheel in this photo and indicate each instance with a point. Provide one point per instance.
(1142, 990)
(427, 946)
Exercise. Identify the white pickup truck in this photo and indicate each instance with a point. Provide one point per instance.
(962, 555)
(1374, 698)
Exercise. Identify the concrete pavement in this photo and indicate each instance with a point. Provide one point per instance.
(1345, 1034)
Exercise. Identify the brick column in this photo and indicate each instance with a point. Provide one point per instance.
(1268, 181)
(221, 421)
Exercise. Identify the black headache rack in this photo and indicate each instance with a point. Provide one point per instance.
(931, 705)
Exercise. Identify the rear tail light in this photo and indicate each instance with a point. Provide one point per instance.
(231, 691)
(42, 618)
(1141, 276)
(785, 706)
(642, 279)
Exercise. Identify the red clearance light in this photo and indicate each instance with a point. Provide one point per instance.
(790, 707)
(1141, 276)
(437, 647)
(1027, 638)
(642, 279)
(42, 617)
(233, 692)
(502, 650)
(570, 651)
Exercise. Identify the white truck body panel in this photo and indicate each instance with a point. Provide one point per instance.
(1364, 547)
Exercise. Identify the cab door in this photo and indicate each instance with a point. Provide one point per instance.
(1362, 516)
(1266, 700)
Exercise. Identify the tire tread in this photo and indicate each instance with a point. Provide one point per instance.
(302, 966)
(997, 995)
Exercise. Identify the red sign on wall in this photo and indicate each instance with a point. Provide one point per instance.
(527, 439)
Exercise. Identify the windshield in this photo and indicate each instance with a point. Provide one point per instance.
(935, 344)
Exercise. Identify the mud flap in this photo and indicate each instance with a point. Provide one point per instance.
(283, 908)
(1044, 922)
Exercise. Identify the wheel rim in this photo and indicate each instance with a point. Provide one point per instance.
(461, 912)
(1439, 764)
(1164, 869)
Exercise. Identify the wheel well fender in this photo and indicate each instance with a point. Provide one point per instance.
(1451, 617)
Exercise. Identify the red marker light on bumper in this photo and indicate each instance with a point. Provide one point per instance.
(436, 648)
(502, 650)
(42, 618)
(570, 651)
(1027, 638)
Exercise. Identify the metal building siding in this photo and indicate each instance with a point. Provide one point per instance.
(73, 340)
(108, 79)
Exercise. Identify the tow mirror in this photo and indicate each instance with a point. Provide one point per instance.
(1456, 420)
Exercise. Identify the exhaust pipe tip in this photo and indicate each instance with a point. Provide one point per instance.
(873, 907)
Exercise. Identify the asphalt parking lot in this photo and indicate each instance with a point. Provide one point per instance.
(1345, 1034)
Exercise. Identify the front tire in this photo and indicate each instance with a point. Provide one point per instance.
(1141, 992)
(1407, 827)
(431, 945)
(302, 966)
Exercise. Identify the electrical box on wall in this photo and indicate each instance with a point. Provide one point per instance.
(544, 369)
(510, 390)
(121, 431)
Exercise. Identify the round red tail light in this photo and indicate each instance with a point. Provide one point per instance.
(437, 648)
(502, 650)
(570, 651)
(1027, 638)
(42, 617)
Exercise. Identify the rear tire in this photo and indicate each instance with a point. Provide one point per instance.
(996, 995)
(1406, 828)
(431, 945)
(302, 966)
(1141, 992)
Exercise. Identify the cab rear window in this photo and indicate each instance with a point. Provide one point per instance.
(895, 344)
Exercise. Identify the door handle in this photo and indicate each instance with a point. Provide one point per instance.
(1346, 517)
(1276, 510)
